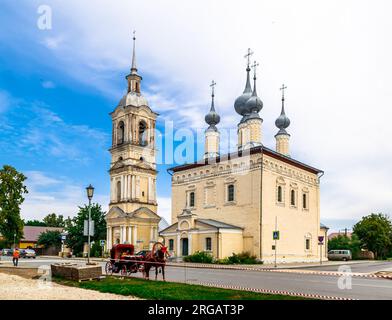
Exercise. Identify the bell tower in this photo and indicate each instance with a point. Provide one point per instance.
(133, 201)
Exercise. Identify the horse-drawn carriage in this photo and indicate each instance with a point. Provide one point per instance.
(124, 261)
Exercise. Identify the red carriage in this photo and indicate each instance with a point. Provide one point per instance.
(124, 261)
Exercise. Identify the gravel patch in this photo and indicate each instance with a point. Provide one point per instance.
(17, 288)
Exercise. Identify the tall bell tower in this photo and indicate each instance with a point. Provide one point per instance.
(133, 201)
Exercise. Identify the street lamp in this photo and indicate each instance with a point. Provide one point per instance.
(90, 193)
(14, 241)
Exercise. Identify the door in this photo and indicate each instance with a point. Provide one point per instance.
(185, 247)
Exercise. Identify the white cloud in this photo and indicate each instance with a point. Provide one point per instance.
(5, 101)
(48, 84)
(334, 58)
(48, 194)
(164, 208)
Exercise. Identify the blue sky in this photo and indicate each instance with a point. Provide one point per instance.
(58, 86)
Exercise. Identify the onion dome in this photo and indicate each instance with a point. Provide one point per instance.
(212, 118)
(283, 122)
(239, 104)
(254, 103)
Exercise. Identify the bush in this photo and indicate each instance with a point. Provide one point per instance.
(96, 250)
(240, 258)
(200, 257)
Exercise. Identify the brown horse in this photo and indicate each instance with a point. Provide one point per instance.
(157, 259)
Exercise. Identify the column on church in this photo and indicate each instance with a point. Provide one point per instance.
(129, 187)
(190, 243)
(178, 253)
(133, 184)
(130, 240)
(121, 234)
(124, 234)
(138, 187)
(109, 238)
(135, 235)
(122, 188)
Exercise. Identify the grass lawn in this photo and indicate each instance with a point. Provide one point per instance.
(158, 290)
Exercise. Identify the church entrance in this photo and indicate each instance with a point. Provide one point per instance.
(185, 247)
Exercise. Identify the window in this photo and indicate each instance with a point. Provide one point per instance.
(208, 244)
(307, 244)
(118, 191)
(280, 197)
(120, 133)
(292, 197)
(142, 133)
(171, 244)
(304, 201)
(192, 199)
(230, 193)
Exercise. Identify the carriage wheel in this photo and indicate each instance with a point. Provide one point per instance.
(124, 270)
(109, 268)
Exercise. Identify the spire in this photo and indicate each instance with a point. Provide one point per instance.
(248, 87)
(283, 121)
(239, 104)
(134, 68)
(212, 118)
(254, 66)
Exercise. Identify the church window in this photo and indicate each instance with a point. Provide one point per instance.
(171, 244)
(292, 197)
(118, 191)
(307, 244)
(230, 193)
(208, 244)
(120, 133)
(304, 201)
(280, 194)
(192, 199)
(142, 133)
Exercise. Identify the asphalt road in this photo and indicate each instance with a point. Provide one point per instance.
(365, 267)
(362, 288)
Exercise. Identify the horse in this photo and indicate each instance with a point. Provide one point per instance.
(156, 259)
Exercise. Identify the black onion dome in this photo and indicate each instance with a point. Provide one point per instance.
(239, 104)
(212, 118)
(283, 121)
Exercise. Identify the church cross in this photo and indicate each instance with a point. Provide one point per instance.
(248, 55)
(213, 84)
(282, 89)
(134, 34)
(254, 66)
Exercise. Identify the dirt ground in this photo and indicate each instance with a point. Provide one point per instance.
(24, 287)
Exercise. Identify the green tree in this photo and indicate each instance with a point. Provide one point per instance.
(52, 220)
(375, 234)
(74, 227)
(12, 189)
(35, 223)
(342, 242)
(50, 239)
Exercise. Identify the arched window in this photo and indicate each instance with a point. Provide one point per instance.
(192, 199)
(142, 133)
(171, 244)
(280, 197)
(208, 244)
(120, 132)
(307, 244)
(230, 193)
(292, 198)
(118, 191)
(304, 201)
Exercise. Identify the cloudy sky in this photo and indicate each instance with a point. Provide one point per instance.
(57, 87)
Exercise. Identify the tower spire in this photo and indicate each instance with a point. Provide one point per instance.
(282, 123)
(134, 68)
(213, 84)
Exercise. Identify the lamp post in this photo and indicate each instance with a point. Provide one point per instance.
(90, 193)
(14, 241)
